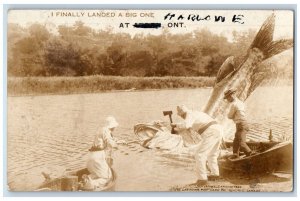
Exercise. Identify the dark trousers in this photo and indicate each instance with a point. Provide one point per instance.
(239, 142)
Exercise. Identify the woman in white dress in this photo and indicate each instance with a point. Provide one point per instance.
(99, 157)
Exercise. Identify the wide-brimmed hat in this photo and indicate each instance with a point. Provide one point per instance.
(183, 108)
(229, 92)
(111, 122)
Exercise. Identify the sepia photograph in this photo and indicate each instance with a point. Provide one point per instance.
(150, 100)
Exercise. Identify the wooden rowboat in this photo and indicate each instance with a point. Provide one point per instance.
(73, 181)
(271, 157)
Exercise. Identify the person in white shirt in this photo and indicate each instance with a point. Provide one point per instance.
(100, 156)
(208, 148)
(237, 114)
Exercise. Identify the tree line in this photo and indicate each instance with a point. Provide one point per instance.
(79, 50)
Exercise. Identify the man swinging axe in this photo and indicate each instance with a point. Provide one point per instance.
(208, 148)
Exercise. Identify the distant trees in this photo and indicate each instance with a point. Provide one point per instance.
(78, 50)
(62, 58)
(26, 55)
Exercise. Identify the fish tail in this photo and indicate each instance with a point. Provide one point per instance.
(264, 39)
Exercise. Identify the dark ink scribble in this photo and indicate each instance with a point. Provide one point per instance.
(147, 25)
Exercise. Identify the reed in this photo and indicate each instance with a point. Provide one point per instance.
(95, 84)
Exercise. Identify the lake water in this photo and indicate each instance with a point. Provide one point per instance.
(53, 133)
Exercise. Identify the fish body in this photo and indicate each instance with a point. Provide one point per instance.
(243, 75)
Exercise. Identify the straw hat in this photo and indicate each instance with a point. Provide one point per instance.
(183, 108)
(111, 122)
(229, 92)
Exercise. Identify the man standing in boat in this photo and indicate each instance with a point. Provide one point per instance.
(237, 114)
(207, 151)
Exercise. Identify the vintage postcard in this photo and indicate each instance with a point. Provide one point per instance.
(150, 100)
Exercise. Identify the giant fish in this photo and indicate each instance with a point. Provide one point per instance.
(241, 73)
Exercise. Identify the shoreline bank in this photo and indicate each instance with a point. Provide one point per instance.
(31, 86)
(19, 86)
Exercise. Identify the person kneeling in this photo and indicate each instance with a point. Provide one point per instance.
(99, 158)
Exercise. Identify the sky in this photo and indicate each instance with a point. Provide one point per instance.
(102, 19)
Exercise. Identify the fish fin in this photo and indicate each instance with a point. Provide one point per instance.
(265, 35)
(264, 40)
(227, 67)
(278, 46)
(220, 82)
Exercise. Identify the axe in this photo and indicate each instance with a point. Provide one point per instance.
(169, 113)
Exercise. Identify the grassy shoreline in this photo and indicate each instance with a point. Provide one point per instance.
(27, 86)
(95, 84)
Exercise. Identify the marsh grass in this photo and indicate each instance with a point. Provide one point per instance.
(95, 84)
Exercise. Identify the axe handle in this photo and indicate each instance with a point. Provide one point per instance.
(170, 118)
(173, 130)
